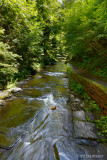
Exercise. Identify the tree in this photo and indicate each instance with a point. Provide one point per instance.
(48, 17)
(85, 33)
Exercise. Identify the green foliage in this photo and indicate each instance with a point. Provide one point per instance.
(92, 106)
(48, 16)
(73, 85)
(11, 84)
(29, 35)
(85, 30)
(98, 66)
(8, 63)
(37, 32)
(102, 126)
(76, 87)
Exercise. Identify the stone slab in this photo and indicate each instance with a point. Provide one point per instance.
(85, 130)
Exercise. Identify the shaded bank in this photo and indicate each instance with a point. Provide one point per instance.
(95, 90)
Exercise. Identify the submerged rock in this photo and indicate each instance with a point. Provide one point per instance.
(85, 130)
(7, 140)
(52, 108)
(2, 103)
(11, 98)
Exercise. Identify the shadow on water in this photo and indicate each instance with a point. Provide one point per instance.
(38, 132)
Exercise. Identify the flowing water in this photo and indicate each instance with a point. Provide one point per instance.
(34, 131)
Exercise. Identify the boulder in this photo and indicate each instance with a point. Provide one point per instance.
(77, 100)
(79, 115)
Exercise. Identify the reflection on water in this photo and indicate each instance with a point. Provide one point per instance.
(43, 134)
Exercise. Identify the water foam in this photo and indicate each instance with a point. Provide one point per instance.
(48, 100)
(54, 73)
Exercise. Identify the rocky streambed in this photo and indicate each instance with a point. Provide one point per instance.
(31, 130)
(8, 94)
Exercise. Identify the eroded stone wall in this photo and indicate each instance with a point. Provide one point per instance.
(96, 92)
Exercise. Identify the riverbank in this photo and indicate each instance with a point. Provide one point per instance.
(94, 90)
(13, 87)
(9, 94)
(95, 100)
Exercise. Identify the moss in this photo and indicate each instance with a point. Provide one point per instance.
(84, 86)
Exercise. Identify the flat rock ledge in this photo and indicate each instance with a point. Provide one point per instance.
(85, 130)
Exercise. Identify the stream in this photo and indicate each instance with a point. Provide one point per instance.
(29, 130)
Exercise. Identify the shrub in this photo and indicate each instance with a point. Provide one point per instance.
(102, 125)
